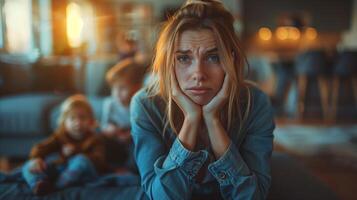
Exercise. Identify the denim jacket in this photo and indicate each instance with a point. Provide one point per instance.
(168, 169)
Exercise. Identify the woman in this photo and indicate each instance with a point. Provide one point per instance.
(199, 130)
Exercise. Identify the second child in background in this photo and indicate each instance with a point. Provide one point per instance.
(124, 79)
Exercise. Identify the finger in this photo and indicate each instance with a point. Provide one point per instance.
(183, 102)
(224, 90)
(221, 95)
(226, 82)
(175, 87)
(177, 94)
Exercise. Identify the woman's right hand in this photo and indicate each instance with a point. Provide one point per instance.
(37, 165)
(191, 110)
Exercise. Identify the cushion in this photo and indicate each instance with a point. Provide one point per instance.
(26, 114)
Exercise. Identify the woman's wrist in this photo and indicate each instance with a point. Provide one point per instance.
(193, 118)
(211, 118)
(217, 134)
(188, 132)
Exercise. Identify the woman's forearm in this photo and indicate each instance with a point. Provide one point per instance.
(188, 132)
(217, 135)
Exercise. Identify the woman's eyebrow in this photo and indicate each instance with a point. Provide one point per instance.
(183, 51)
(213, 50)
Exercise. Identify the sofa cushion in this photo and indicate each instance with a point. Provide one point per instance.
(26, 114)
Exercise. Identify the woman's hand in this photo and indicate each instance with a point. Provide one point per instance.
(191, 110)
(37, 165)
(212, 109)
(193, 115)
(217, 134)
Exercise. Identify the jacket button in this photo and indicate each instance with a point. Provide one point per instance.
(222, 175)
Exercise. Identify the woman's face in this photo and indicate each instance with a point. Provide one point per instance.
(197, 65)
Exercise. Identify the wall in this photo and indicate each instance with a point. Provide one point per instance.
(349, 39)
(159, 5)
(325, 15)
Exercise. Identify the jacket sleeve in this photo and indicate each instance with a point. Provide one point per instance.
(245, 173)
(46, 147)
(166, 173)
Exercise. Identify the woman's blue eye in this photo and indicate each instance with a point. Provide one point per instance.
(214, 58)
(183, 58)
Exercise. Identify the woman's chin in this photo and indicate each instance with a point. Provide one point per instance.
(200, 100)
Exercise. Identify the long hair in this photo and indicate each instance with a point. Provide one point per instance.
(72, 102)
(196, 15)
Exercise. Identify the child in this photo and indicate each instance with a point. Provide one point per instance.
(125, 79)
(80, 155)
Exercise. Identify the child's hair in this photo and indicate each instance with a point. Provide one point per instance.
(72, 102)
(129, 69)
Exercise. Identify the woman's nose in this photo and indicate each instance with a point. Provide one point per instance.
(198, 71)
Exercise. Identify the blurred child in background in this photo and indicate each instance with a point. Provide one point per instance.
(125, 79)
(72, 155)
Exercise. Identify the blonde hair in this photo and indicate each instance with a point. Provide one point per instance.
(72, 102)
(127, 68)
(196, 15)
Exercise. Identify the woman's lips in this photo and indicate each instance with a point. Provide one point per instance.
(198, 91)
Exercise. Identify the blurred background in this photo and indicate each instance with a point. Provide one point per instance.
(302, 53)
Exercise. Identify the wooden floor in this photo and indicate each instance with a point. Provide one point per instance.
(340, 176)
(337, 172)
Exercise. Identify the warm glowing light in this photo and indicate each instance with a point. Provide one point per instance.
(74, 24)
(282, 33)
(311, 33)
(294, 33)
(265, 33)
(288, 33)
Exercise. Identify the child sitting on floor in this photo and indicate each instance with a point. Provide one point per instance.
(79, 153)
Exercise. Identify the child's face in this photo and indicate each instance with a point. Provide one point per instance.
(123, 90)
(78, 123)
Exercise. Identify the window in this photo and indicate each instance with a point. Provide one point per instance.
(18, 31)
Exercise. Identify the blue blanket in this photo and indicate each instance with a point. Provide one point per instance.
(13, 186)
(290, 180)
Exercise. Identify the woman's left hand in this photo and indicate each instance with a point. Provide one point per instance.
(211, 110)
(216, 133)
